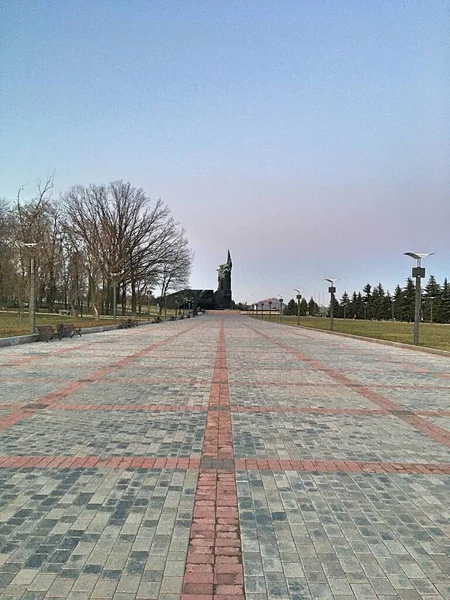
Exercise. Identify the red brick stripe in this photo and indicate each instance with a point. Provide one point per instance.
(214, 564)
(214, 490)
(439, 434)
(132, 407)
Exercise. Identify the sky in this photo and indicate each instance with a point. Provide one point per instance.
(311, 138)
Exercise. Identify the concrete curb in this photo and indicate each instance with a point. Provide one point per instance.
(18, 339)
(377, 341)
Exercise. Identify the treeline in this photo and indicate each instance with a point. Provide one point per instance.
(376, 303)
(306, 308)
(89, 240)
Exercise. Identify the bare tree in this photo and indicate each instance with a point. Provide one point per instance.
(121, 232)
(175, 268)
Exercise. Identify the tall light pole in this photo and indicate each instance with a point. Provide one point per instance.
(270, 310)
(32, 302)
(281, 308)
(299, 297)
(419, 273)
(332, 291)
(114, 275)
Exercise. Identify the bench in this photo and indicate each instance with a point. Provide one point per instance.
(127, 323)
(67, 329)
(46, 333)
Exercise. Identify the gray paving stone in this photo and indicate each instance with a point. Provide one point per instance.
(93, 534)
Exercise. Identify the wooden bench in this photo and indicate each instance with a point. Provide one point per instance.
(46, 333)
(127, 323)
(67, 329)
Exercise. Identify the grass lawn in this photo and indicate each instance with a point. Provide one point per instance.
(10, 323)
(431, 336)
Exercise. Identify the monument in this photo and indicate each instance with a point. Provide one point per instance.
(206, 299)
(222, 297)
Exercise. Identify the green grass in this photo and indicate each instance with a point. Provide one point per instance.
(431, 336)
(11, 324)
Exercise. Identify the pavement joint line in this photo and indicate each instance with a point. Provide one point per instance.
(210, 463)
(234, 408)
(54, 397)
(215, 530)
(433, 431)
(236, 383)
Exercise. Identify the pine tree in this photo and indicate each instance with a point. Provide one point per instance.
(303, 307)
(409, 301)
(313, 307)
(445, 302)
(345, 302)
(398, 302)
(388, 307)
(377, 302)
(367, 299)
(290, 308)
(432, 300)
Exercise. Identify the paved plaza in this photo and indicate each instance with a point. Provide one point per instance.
(223, 457)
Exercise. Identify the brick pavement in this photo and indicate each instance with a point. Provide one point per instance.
(223, 458)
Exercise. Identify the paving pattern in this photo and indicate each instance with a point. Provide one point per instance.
(223, 458)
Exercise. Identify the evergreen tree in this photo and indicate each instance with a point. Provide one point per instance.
(291, 308)
(345, 305)
(409, 301)
(387, 306)
(445, 302)
(398, 302)
(378, 302)
(303, 307)
(432, 300)
(313, 307)
(367, 299)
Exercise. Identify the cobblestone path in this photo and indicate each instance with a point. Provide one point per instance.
(223, 457)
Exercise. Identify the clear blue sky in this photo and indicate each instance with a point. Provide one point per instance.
(312, 138)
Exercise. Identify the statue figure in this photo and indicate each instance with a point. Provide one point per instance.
(223, 294)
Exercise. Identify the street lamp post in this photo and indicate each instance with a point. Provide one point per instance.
(419, 273)
(332, 291)
(299, 297)
(262, 310)
(270, 310)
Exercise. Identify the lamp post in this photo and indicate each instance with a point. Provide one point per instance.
(332, 291)
(281, 308)
(270, 310)
(299, 297)
(114, 275)
(418, 272)
(32, 302)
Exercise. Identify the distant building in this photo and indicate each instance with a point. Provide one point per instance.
(275, 304)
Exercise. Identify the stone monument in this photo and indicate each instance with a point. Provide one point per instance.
(223, 297)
